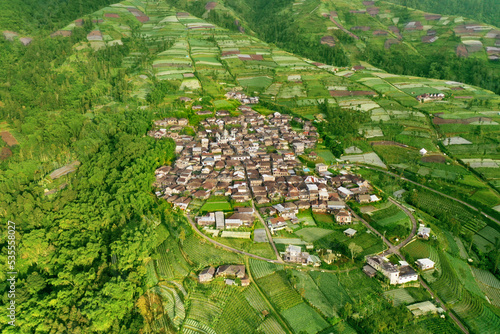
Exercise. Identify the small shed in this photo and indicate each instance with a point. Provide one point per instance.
(350, 232)
(423, 151)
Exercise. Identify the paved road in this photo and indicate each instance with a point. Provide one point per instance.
(413, 223)
(238, 251)
(231, 249)
(395, 250)
(269, 236)
(433, 190)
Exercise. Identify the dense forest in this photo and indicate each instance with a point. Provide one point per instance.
(80, 249)
(481, 10)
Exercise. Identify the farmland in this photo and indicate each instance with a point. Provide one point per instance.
(130, 64)
(216, 203)
(279, 291)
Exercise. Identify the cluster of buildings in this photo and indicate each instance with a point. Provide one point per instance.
(295, 254)
(229, 272)
(397, 274)
(243, 98)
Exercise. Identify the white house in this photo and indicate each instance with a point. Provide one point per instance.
(423, 151)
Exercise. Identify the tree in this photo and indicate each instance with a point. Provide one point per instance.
(355, 250)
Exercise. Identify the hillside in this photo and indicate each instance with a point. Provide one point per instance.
(100, 250)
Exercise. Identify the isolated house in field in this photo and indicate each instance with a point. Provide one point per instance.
(237, 271)
(424, 232)
(388, 269)
(396, 275)
(206, 275)
(425, 264)
(407, 274)
(350, 232)
(423, 151)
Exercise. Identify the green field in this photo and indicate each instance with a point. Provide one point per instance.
(312, 234)
(279, 291)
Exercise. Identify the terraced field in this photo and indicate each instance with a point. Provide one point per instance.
(279, 291)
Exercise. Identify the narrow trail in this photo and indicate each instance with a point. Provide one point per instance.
(434, 191)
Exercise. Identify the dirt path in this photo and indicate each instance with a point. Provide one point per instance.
(341, 27)
(269, 236)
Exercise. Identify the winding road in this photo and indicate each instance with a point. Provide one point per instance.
(280, 261)
(396, 250)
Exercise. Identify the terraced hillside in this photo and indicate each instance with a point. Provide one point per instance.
(388, 35)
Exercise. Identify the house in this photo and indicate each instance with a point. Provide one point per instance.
(407, 274)
(350, 232)
(206, 275)
(209, 219)
(425, 264)
(236, 271)
(396, 275)
(423, 151)
(276, 224)
(344, 192)
(363, 198)
(321, 168)
(314, 260)
(329, 257)
(245, 281)
(233, 223)
(294, 254)
(388, 269)
(336, 205)
(424, 232)
(343, 216)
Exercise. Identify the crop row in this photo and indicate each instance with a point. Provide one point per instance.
(196, 327)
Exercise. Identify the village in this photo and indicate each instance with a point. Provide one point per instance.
(255, 161)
